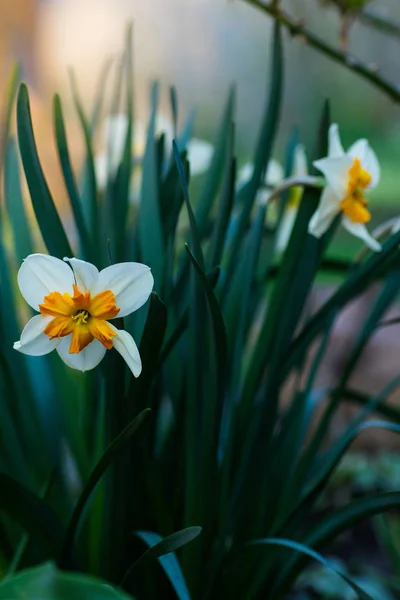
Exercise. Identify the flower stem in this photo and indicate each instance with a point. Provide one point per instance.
(304, 181)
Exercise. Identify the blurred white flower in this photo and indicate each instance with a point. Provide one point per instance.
(199, 152)
(76, 303)
(293, 202)
(273, 176)
(349, 176)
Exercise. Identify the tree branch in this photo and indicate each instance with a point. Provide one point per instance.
(297, 29)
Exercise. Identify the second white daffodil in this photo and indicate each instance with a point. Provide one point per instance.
(76, 303)
(349, 176)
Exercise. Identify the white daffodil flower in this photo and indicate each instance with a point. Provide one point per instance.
(107, 161)
(293, 202)
(200, 152)
(76, 303)
(349, 176)
(273, 176)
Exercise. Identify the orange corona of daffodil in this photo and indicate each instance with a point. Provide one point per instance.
(76, 303)
(349, 176)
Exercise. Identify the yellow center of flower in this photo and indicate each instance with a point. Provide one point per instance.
(82, 316)
(354, 205)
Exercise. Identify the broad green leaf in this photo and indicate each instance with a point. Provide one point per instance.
(46, 583)
(103, 464)
(46, 213)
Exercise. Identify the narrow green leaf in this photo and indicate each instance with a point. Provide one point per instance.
(90, 192)
(149, 221)
(169, 563)
(69, 178)
(247, 194)
(99, 470)
(164, 546)
(214, 175)
(193, 225)
(334, 524)
(15, 203)
(307, 552)
(217, 241)
(99, 96)
(46, 213)
(119, 209)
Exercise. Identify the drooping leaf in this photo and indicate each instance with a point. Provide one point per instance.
(164, 546)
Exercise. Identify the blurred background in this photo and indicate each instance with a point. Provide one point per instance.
(202, 46)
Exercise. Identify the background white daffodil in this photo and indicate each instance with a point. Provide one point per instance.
(76, 304)
(349, 176)
(293, 202)
(200, 152)
(273, 176)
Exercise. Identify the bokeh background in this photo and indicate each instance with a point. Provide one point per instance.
(202, 46)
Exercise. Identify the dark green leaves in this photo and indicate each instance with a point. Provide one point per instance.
(46, 583)
(46, 213)
(29, 511)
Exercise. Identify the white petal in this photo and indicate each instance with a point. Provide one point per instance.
(87, 359)
(335, 148)
(275, 174)
(300, 167)
(359, 150)
(85, 273)
(396, 226)
(371, 165)
(41, 274)
(360, 231)
(245, 173)
(200, 154)
(165, 126)
(328, 208)
(101, 170)
(336, 172)
(124, 343)
(115, 131)
(33, 341)
(130, 282)
(285, 229)
(262, 196)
